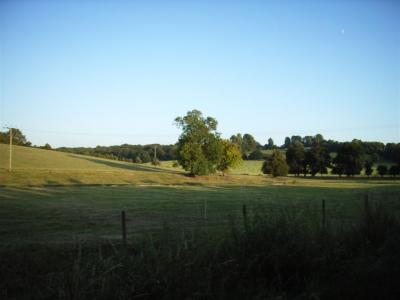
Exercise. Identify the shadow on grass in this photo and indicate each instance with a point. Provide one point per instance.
(127, 166)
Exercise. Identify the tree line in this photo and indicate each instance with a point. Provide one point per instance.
(201, 150)
(349, 159)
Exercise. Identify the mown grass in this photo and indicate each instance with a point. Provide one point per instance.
(62, 214)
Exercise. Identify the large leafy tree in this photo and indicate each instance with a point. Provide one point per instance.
(270, 144)
(382, 170)
(230, 157)
(349, 158)
(249, 144)
(317, 160)
(295, 156)
(287, 142)
(276, 165)
(368, 168)
(199, 148)
(238, 140)
(18, 138)
(394, 170)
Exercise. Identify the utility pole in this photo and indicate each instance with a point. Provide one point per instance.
(155, 153)
(10, 162)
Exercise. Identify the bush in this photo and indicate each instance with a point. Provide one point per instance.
(256, 155)
(175, 164)
(276, 165)
(382, 170)
(394, 170)
(156, 162)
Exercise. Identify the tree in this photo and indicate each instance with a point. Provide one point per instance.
(276, 165)
(156, 162)
(295, 138)
(145, 157)
(368, 168)
(317, 159)
(199, 148)
(349, 158)
(256, 155)
(295, 156)
(307, 141)
(394, 170)
(17, 138)
(338, 169)
(249, 144)
(382, 170)
(318, 139)
(287, 142)
(238, 140)
(230, 158)
(47, 146)
(270, 144)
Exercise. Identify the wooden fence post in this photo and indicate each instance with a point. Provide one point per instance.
(123, 223)
(323, 214)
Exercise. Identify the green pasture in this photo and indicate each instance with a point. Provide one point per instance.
(55, 197)
(60, 214)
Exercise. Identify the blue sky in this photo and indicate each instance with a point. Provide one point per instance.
(86, 73)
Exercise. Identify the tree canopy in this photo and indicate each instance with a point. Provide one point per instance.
(276, 165)
(200, 149)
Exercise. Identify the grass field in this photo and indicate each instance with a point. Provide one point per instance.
(59, 196)
(189, 237)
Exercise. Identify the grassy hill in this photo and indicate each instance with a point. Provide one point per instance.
(39, 167)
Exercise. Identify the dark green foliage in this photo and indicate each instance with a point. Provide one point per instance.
(295, 156)
(392, 152)
(368, 168)
(256, 155)
(127, 152)
(46, 146)
(349, 158)
(266, 255)
(18, 138)
(270, 144)
(287, 142)
(249, 144)
(276, 165)
(317, 160)
(155, 162)
(145, 157)
(394, 170)
(382, 170)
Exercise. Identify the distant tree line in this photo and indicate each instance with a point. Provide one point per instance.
(349, 158)
(126, 152)
(18, 138)
(308, 155)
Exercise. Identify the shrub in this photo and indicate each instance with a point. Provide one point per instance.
(382, 170)
(276, 165)
(156, 162)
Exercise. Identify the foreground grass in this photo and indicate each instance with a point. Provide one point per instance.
(189, 238)
(264, 255)
(64, 214)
